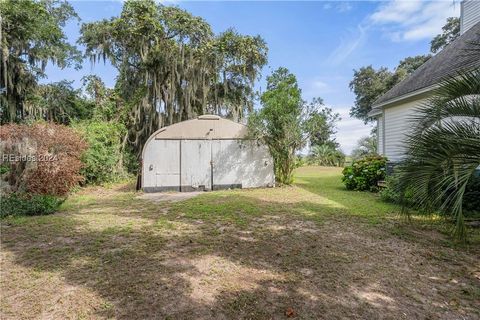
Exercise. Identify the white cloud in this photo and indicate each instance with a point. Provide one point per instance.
(396, 11)
(344, 6)
(400, 20)
(348, 43)
(319, 85)
(324, 86)
(349, 130)
(414, 20)
(339, 6)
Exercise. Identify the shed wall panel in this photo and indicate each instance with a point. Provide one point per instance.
(242, 163)
(205, 153)
(259, 163)
(161, 164)
(195, 163)
(228, 162)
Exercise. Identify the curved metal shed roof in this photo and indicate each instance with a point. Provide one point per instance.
(203, 127)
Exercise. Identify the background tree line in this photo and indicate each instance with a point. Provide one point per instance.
(171, 67)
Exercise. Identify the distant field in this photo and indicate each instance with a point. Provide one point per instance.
(313, 250)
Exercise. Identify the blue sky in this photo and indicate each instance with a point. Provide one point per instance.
(321, 42)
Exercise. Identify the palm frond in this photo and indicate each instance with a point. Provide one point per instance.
(456, 97)
(443, 149)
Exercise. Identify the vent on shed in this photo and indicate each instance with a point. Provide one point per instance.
(209, 117)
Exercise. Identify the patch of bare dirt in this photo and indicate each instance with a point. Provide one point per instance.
(169, 196)
(136, 261)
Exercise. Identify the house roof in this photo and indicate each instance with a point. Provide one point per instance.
(448, 62)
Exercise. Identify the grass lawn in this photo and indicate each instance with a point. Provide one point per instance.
(310, 251)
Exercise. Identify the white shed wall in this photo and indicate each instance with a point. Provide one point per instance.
(234, 163)
(161, 164)
(258, 170)
(242, 162)
(195, 163)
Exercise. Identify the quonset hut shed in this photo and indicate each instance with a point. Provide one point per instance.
(206, 153)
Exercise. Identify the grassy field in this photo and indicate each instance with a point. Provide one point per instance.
(313, 250)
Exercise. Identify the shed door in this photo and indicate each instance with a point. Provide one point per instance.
(195, 162)
(167, 164)
(229, 161)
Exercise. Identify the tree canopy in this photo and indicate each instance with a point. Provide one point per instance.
(58, 102)
(286, 122)
(368, 83)
(31, 36)
(280, 122)
(450, 32)
(410, 64)
(322, 124)
(172, 67)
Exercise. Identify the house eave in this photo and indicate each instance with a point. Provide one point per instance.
(375, 112)
(377, 108)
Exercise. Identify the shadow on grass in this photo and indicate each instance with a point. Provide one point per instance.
(240, 254)
(369, 206)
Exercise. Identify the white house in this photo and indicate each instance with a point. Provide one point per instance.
(206, 153)
(394, 109)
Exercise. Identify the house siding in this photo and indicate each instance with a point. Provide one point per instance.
(380, 134)
(399, 103)
(470, 14)
(397, 124)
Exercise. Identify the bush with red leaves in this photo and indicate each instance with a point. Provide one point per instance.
(43, 158)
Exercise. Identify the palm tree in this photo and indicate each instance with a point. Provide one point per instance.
(444, 149)
(326, 155)
(322, 154)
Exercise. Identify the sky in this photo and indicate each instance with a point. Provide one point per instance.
(321, 42)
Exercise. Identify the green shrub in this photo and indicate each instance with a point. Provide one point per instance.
(300, 161)
(389, 193)
(4, 169)
(471, 198)
(392, 194)
(28, 205)
(130, 160)
(364, 174)
(103, 161)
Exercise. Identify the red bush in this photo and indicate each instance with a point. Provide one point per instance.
(48, 157)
